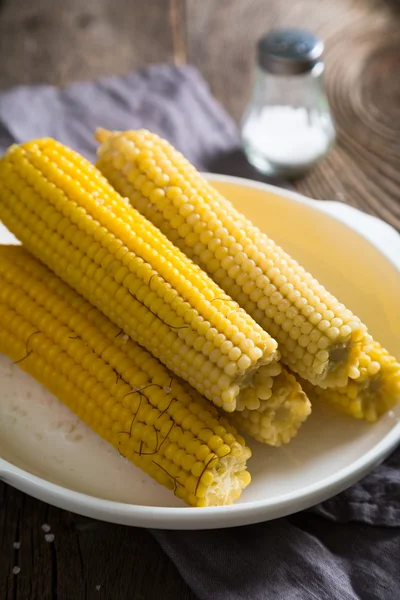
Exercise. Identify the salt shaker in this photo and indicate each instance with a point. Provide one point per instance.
(288, 126)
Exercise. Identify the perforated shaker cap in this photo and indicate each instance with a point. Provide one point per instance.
(289, 51)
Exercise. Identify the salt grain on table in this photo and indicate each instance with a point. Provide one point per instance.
(16, 570)
(49, 537)
(46, 528)
(16, 545)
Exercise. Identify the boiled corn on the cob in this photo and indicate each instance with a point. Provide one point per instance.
(287, 409)
(318, 337)
(122, 392)
(375, 391)
(67, 214)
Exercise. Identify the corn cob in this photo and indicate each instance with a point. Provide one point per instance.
(274, 422)
(68, 216)
(318, 337)
(122, 392)
(287, 409)
(375, 391)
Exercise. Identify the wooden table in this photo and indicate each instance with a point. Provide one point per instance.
(57, 42)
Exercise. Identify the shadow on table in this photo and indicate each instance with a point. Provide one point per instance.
(235, 163)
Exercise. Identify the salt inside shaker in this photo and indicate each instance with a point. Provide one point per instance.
(287, 125)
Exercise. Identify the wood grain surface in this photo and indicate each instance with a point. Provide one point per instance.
(87, 559)
(49, 41)
(362, 42)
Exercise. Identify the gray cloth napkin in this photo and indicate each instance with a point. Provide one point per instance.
(347, 548)
(172, 102)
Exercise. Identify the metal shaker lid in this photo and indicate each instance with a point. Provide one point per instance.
(289, 51)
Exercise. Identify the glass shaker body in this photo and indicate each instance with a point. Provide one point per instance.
(287, 125)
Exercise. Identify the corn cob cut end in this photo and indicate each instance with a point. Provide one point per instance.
(279, 419)
(375, 391)
(116, 387)
(342, 363)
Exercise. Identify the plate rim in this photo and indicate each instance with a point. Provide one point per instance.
(383, 237)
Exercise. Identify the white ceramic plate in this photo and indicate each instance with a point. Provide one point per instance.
(49, 454)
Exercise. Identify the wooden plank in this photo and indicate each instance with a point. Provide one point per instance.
(221, 42)
(127, 563)
(57, 42)
(363, 85)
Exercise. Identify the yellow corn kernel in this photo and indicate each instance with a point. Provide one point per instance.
(279, 421)
(317, 336)
(122, 392)
(375, 391)
(69, 216)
